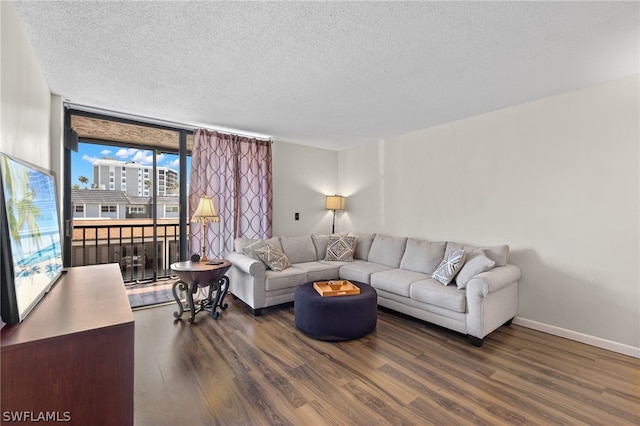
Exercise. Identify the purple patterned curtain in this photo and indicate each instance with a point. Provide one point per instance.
(236, 172)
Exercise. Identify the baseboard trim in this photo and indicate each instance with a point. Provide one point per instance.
(579, 337)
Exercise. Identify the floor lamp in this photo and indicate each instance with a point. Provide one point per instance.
(334, 202)
(204, 214)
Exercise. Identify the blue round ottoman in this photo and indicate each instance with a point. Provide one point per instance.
(337, 317)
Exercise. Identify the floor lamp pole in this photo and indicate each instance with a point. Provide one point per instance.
(333, 226)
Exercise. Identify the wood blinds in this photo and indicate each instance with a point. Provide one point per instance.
(105, 130)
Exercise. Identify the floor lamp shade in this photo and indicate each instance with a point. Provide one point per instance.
(335, 202)
(205, 213)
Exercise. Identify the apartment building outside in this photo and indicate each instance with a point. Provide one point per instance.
(134, 179)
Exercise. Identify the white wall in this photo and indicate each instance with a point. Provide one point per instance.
(557, 179)
(25, 98)
(302, 176)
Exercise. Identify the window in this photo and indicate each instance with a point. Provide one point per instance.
(136, 209)
(108, 208)
(171, 209)
(78, 208)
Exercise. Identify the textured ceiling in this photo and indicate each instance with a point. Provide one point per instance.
(327, 74)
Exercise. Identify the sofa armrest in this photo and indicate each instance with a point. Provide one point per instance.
(246, 264)
(491, 281)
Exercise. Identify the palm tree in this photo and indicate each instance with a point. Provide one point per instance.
(84, 180)
(29, 212)
(16, 181)
(172, 189)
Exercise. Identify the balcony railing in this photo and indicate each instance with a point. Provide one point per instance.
(130, 243)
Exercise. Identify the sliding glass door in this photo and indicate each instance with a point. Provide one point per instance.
(125, 205)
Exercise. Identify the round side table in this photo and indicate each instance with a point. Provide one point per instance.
(194, 275)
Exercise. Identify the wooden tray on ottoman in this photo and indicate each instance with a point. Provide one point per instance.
(324, 288)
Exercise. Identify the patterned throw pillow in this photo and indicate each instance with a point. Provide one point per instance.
(449, 267)
(273, 258)
(250, 250)
(340, 248)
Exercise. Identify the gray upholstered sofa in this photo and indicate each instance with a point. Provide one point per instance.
(482, 296)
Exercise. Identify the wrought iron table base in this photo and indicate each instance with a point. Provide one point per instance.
(220, 286)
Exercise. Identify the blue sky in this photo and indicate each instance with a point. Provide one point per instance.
(82, 161)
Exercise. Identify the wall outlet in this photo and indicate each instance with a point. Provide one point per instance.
(297, 216)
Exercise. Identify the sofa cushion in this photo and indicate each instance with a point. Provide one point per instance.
(387, 250)
(433, 292)
(498, 254)
(299, 249)
(363, 245)
(396, 281)
(320, 271)
(476, 263)
(320, 242)
(340, 248)
(250, 250)
(360, 271)
(449, 267)
(422, 256)
(290, 277)
(273, 258)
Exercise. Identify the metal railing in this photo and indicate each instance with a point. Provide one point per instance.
(131, 244)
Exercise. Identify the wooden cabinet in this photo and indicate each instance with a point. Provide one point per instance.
(73, 356)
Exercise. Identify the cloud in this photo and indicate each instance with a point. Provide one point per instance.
(146, 157)
(174, 164)
(125, 153)
(105, 152)
(89, 159)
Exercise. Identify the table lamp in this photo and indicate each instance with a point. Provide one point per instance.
(334, 202)
(204, 214)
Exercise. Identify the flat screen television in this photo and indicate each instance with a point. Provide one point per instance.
(30, 236)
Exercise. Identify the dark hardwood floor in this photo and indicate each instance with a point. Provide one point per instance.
(245, 370)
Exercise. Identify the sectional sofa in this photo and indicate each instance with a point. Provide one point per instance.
(409, 275)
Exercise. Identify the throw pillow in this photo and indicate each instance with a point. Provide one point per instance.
(250, 250)
(273, 258)
(449, 267)
(476, 264)
(340, 248)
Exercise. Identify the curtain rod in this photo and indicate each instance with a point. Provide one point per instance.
(158, 122)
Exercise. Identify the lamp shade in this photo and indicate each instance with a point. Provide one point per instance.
(335, 202)
(205, 212)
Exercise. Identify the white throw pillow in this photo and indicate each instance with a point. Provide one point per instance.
(475, 264)
(449, 267)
